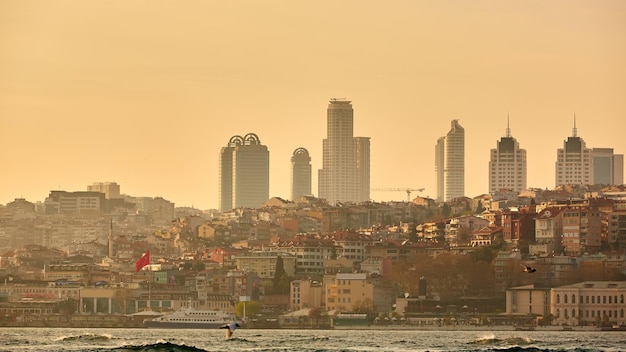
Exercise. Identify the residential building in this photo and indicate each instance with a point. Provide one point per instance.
(507, 166)
(617, 228)
(582, 229)
(244, 173)
(263, 263)
(450, 163)
(548, 232)
(300, 173)
(608, 168)
(306, 294)
(574, 163)
(349, 292)
(343, 178)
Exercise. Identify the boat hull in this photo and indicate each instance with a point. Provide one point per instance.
(179, 325)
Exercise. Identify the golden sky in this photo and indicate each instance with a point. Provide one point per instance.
(145, 93)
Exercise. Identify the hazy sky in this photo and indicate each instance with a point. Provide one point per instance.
(145, 93)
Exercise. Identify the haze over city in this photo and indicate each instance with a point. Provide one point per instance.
(146, 93)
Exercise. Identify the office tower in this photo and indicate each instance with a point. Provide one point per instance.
(363, 167)
(450, 163)
(608, 168)
(300, 173)
(507, 166)
(110, 189)
(244, 173)
(574, 163)
(339, 180)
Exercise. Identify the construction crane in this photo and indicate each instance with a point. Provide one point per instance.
(407, 190)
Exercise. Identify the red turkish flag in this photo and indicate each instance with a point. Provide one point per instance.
(143, 261)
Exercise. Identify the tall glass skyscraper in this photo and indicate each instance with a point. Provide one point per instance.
(300, 173)
(340, 180)
(507, 165)
(450, 163)
(244, 173)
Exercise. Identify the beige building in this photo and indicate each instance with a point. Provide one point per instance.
(589, 302)
(306, 294)
(528, 300)
(263, 263)
(350, 293)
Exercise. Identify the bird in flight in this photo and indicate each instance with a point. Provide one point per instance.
(230, 328)
(528, 269)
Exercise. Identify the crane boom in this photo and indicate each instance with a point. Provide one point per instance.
(407, 190)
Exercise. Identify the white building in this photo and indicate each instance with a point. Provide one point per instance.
(574, 163)
(342, 177)
(450, 164)
(507, 166)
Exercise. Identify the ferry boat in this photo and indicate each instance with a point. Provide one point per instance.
(190, 318)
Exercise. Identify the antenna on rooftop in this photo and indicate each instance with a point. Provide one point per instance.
(508, 129)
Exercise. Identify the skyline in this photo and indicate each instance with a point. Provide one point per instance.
(149, 102)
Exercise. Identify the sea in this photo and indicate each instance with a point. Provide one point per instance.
(76, 339)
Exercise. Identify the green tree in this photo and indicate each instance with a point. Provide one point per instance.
(279, 275)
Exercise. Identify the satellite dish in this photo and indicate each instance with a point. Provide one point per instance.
(406, 295)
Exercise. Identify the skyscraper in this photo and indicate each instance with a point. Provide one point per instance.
(608, 168)
(507, 166)
(300, 173)
(339, 179)
(450, 163)
(244, 173)
(574, 163)
(363, 167)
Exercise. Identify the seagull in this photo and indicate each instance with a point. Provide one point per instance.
(230, 328)
(528, 269)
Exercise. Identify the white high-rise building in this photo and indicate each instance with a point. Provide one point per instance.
(339, 180)
(574, 163)
(300, 173)
(507, 166)
(450, 163)
(244, 173)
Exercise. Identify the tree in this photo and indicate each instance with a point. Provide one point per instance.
(314, 315)
(279, 275)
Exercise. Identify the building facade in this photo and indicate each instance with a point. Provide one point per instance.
(608, 168)
(507, 166)
(574, 163)
(589, 303)
(244, 173)
(339, 180)
(450, 163)
(300, 173)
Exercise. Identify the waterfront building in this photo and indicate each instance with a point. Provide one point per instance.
(507, 166)
(574, 164)
(450, 163)
(589, 302)
(300, 173)
(244, 173)
(342, 177)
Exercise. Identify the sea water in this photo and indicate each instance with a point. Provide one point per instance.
(62, 339)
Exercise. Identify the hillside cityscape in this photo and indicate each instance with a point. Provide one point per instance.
(99, 257)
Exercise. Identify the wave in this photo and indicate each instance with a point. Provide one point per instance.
(86, 338)
(511, 342)
(159, 347)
